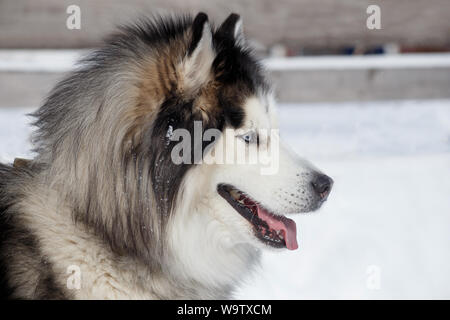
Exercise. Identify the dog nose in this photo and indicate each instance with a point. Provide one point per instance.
(322, 185)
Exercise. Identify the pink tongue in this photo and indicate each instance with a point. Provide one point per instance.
(286, 225)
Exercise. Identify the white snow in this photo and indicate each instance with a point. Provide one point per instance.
(389, 211)
(16, 60)
(384, 232)
(393, 61)
(64, 60)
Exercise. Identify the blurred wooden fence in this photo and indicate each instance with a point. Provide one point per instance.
(27, 76)
(296, 23)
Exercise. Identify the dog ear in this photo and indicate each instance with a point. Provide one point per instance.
(232, 28)
(200, 55)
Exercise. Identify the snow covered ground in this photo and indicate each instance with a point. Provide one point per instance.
(384, 232)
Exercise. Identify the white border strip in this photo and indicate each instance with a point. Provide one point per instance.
(64, 60)
(396, 61)
(39, 60)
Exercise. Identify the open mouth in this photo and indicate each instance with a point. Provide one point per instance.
(271, 229)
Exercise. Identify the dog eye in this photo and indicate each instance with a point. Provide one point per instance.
(249, 137)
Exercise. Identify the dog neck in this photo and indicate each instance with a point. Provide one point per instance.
(206, 253)
(203, 262)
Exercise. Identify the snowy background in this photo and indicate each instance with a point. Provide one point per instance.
(384, 232)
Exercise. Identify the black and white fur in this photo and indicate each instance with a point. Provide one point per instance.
(102, 193)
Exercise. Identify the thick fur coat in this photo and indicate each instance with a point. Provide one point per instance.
(103, 212)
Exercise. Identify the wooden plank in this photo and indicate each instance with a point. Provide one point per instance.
(23, 89)
(297, 23)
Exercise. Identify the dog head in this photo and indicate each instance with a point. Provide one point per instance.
(242, 175)
(114, 135)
